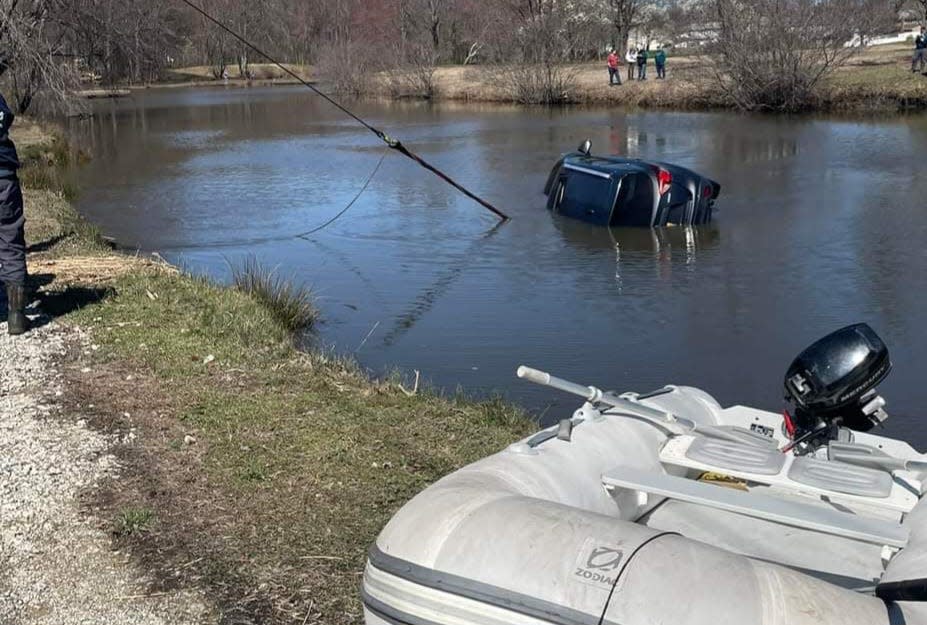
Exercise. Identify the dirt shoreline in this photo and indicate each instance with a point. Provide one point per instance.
(57, 559)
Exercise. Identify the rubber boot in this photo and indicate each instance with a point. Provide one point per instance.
(16, 305)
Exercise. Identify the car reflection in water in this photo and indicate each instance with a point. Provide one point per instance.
(643, 256)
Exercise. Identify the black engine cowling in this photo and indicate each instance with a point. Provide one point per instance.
(832, 383)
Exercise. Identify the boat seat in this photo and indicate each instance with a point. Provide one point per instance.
(841, 477)
(782, 511)
(840, 482)
(746, 457)
(737, 434)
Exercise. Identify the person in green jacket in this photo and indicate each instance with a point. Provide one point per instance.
(659, 60)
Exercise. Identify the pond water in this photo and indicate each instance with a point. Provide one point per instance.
(821, 223)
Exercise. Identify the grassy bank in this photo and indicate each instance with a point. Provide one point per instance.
(878, 78)
(249, 468)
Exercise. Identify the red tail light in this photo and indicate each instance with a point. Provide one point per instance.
(707, 191)
(665, 179)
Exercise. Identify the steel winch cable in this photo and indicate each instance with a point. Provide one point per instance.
(305, 235)
(390, 141)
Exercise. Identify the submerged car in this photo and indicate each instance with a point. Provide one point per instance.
(615, 191)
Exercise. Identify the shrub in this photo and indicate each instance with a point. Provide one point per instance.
(547, 83)
(774, 54)
(290, 304)
(347, 68)
(531, 68)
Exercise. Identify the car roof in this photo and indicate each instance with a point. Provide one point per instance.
(618, 165)
(606, 164)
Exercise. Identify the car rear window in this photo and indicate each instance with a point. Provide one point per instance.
(642, 199)
(634, 206)
(586, 193)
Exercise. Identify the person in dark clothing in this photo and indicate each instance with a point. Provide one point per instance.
(12, 236)
(920, 51)
(642, 64)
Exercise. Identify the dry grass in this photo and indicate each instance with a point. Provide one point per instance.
(877, 78)
(96, 271)
(53, 227)
(686, 86)
(27, 133)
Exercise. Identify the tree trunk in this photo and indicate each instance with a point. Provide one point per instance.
(435, 24)
(244, 70)
(622, 34)
(24, 103)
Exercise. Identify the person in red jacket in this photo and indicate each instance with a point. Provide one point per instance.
(613, 73)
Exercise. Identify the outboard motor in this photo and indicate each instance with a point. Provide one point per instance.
(832, 385)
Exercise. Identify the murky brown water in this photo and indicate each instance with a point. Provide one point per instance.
(822, 222)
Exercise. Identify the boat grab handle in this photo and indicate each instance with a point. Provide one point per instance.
(665, 420)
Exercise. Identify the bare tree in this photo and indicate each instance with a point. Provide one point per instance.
(33, 56)
(469, 25)
(877, 17)
(774, 54)
(921, 7)
(119, 39)
(623, 15)
(529, 58)
(435, 15)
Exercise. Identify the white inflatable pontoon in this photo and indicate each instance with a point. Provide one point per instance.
(668, 509)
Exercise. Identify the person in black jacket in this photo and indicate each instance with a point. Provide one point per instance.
(642, 64)
(920, 50)
(12, 236)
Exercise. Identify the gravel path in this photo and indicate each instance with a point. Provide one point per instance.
(56, 563)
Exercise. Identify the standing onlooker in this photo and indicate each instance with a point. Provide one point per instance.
(631, 58)
(613, 73)
(642, 64)
(920, 50)
(12, 238)
(659, 60)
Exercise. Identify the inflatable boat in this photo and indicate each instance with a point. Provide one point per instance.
(665, 508)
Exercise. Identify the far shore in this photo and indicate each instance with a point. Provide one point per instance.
(877, 80)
